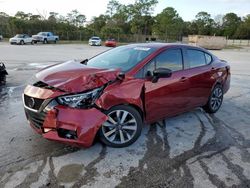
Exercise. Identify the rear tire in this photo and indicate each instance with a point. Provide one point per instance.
(215, 100)
(123, 127)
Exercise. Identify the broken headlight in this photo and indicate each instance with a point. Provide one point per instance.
(82, 100)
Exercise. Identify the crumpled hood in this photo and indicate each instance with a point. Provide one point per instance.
(73, 77)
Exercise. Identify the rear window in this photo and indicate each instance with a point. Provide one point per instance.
(208, 58)
(196, 58)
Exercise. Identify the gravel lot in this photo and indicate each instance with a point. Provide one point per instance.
(194, 149)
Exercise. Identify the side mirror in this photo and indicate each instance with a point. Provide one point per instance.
(84, 62)
(161, 73)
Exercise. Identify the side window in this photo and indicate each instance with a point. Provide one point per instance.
(196, 58)
(208, 58)
(170, 59)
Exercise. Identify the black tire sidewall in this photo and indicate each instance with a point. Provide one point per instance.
(139, 122)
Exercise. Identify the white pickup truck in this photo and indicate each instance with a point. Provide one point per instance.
(45, 37)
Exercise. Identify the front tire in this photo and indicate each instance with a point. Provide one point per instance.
(215, 100)
(123, 127)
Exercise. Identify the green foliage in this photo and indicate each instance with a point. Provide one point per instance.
(168, 22)
(123, 21)
(205, 24)
(230, 24)
(243, 31)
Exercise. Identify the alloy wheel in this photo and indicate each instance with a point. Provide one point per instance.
(120, 127)
(216, 98)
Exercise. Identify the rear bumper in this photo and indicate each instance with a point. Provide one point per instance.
(226, 85)
(110, 45)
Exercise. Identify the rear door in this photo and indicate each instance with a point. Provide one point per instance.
(169, 95)
(200, 72)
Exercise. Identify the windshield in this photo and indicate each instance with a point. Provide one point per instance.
(19, 36)
(124, 58)
(95, 38)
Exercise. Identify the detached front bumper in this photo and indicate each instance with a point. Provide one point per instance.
(76, 127)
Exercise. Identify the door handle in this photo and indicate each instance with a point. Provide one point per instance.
(212, 68)
(183, 79)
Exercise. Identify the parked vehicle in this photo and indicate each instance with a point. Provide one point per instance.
(111, 43)
(3, 74)
(45, 37)
(21, 39)
(1, 37)
(112, 94)
(95, 41)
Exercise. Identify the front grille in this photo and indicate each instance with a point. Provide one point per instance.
(35, 118)
(33, 103)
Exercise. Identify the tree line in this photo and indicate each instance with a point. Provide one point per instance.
(121, 21)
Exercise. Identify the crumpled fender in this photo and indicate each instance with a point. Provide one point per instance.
(85, 122)
(128, 91)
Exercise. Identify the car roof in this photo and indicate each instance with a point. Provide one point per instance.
(160, 45)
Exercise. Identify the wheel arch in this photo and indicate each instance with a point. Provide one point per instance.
(136, 107)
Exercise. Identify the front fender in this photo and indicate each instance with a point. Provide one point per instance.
(125, 92)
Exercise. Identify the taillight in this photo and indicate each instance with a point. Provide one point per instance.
(228, 69)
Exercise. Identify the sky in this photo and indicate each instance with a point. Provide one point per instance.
(187, 9)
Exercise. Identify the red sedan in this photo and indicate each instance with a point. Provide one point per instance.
(113, 94)
(111, 43)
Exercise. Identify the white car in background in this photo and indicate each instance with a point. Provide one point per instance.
(95, 41)
(45, 37)
(21, 39)
(1, 37)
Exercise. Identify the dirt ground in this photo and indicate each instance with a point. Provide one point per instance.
(193, 149)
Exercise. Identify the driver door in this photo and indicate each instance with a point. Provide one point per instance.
(168, 96)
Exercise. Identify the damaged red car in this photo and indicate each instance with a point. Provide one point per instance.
(112, 95)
